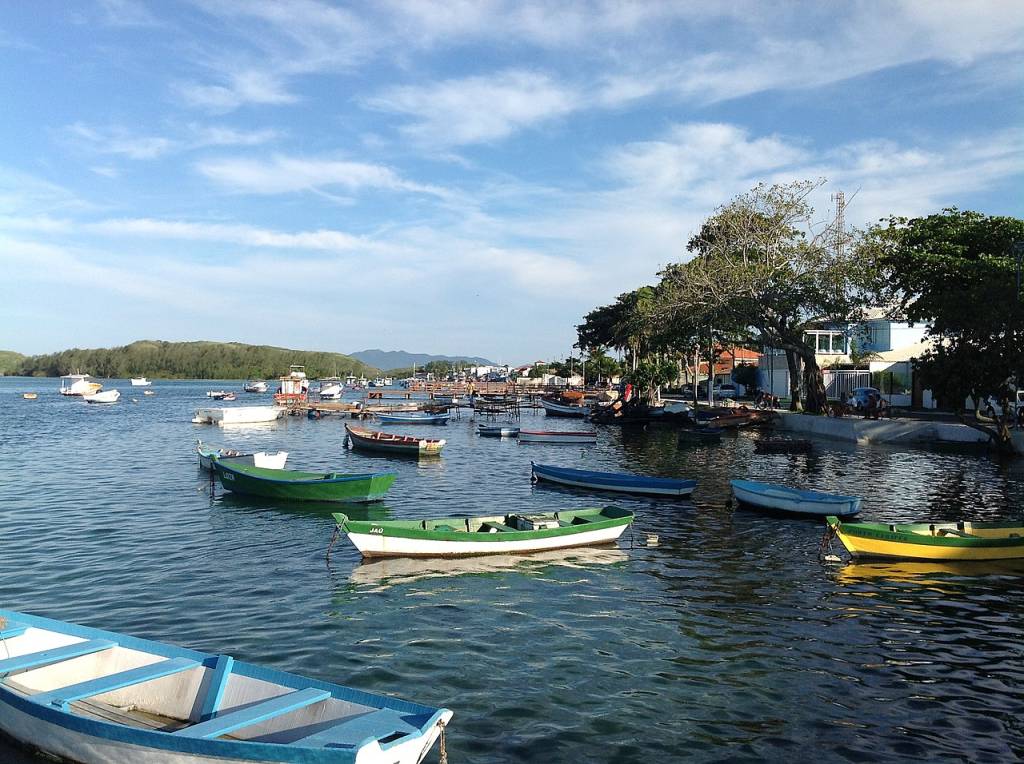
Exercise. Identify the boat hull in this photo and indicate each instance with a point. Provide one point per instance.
(384, 539)
(292, 485)
(560, 409)
(611, 481)
(776, 498)
(369, 440)
(530, 436)
(981, 541)
(489, 431)
(426, 419)
(237, 415)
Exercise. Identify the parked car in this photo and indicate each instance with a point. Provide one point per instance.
(860, 395)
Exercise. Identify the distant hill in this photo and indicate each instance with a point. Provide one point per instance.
(191, 360)
(10, 361)
(399, 359)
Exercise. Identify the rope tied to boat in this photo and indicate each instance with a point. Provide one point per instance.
(826, 553)
(443, 752)
(334, 537)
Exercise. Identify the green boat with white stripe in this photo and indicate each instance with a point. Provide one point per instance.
(490, 534)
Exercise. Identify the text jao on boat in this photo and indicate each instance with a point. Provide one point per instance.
(275, 460)
(414, 417)
(140, 382)
(507, 430)
(386, 442)
(99, 697)
(932, 541)
(780, 498)
(106, 396)
(557, 436)
(296, 485)
(78, 384)
(237, 415)
(614, 481)
(493, 534)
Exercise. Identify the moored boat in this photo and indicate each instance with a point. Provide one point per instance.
(508, 430)
(207, 453)
(30, 396)
(237, 415)
(255, 386)
(294, 387)
(386, 442)
(613, 481)
(140, 382)
(332, 391)
(780, 498)
(557, 436)
(98, 697)
(296, 485)
(493, 534)
(554, 407)
(78, 384)
(932, 541)
(148, 392)
(217, 395)
(107, 396)
(414, 417)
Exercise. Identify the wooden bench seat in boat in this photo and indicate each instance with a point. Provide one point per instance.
(64, 696)
(351, 732)
(254, 714)
(487, 527)
(53, 655)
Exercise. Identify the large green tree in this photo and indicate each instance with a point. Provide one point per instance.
(956, 271)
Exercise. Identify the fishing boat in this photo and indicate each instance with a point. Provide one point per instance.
(557, 436)
(613, 481)
(507, 430)
(414, 417)
(302, 486)
(780, 498)
(385, 442)
(207, 453)
(81, 694)
(78, 384)
(294, 387)
(932, 541)
(494, 534)
(332, 391)
(782, 446)
(30, 396)
(237, 415)
(554, 407)
(107, 396)
(255, 386)
(140, 382)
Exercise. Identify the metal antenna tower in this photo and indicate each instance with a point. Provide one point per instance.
(840, 199)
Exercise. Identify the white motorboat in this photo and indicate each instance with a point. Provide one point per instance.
(107, 396)
(255, 386)
(331, 392)
(78, 384)
(237, 415)
(140, 382)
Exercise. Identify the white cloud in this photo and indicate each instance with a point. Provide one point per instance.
(282, 174)
(478, 109)
(246, 86)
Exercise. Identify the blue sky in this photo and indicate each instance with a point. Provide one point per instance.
(454, 177)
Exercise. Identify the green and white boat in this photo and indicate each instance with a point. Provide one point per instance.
(492, 534)
(302, 486)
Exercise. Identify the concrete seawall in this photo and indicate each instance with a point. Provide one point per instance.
(914, 432)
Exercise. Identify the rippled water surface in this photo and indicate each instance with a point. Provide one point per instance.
(707, 634)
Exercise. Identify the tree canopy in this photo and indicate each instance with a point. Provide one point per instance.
(190, 360)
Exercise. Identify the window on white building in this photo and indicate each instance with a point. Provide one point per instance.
(826, 342)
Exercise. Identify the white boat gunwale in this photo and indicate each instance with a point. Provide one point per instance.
(428, 718)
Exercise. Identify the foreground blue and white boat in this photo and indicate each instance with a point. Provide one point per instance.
(98, 697)
(780, 498)
(613, 481)
(414, 417)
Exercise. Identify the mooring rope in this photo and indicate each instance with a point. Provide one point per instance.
(334, 537)
(443, 753)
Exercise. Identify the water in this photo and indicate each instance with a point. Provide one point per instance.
(723, 638)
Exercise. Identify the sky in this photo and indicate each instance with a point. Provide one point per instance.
(455, 177)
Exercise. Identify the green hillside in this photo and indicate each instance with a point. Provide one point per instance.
(10, 361)
(190, 360)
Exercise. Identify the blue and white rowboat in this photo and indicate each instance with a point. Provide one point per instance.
(98, 697)
(414, 418)
(613, 481)
(498, 430)
(780, 498)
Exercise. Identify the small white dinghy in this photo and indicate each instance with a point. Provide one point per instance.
(107, 396)
(97, 697)
(273, 461)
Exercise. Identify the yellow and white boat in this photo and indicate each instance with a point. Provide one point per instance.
(931, 541)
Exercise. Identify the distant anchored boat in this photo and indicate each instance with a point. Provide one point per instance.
(302, 486)
(559, 407)
(237, 415)
(414, 417)
(81, 694)
(494, 534)
(107, 396)
(498, 430)
(386, 442)
(780, 498)
(255, 386)
(557, 436)
(78, 384)
(140, 382)
(614, 481)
